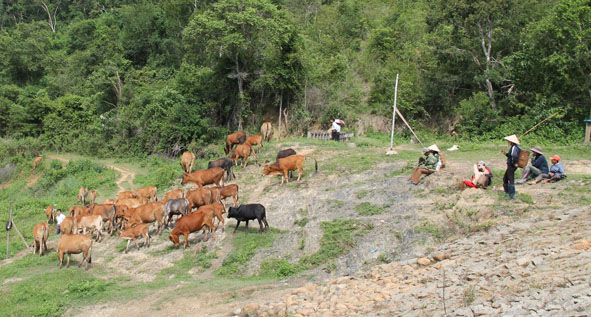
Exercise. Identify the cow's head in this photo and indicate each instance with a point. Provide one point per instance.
(184, 181)
(174, 239)
(267, 169)
(232, 212)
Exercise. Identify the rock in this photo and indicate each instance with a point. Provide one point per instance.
(523, 262)
(440, 256)
(423, 261)
(251, 308)
(310, 287)
(237, 311)
(537, 261)
(584, 244)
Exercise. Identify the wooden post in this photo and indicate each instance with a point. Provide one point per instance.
(8, 231)
(587, 130)
(394, 113)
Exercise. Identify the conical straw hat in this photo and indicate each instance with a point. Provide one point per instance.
(434, 148)
(512, 138)
(537, 149)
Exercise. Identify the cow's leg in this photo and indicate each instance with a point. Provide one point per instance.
(127, 247)
(300, 172)
(266, 224)
(186, 235)
(260, 225)
(68, 260)
(237, 224)
(136, 245)
(45, 244)
(60, 257)
(246, 226)
(147, 242)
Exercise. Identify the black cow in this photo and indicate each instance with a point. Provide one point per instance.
(285, 153)
(249, 212)
(176, 206)
(225, 163)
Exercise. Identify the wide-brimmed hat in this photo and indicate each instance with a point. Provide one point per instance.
(537, 149)
(555, 157)
(434, 148)
(425, 150)
(512, 138)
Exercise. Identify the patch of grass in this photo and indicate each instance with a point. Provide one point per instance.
(484, 226)
(435, 231)
(367, 209)
(526, 198)
(301, 222)
(302, 244)
(360, 194)
(277, 268)
(302, 212)
(190, 260)
(169, 248)
(335, 203)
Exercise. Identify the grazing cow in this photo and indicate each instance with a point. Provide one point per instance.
(82, 195)
(126, 194)
(92, 196)
(286, 164)
(110, 201)
(257, 140)
(230, 190)
(187, 160)
(234, 138)
(147, 193)
(79, 211)
(176, 206)
(177, 193)
(50, 213)
(285, 153)
(249, 212)
(122, 212)
(136, 231)
(131, 202)
(40, 236)
(191, 223)
(212, 175)
(149, 213)
(267, 131)
(226, 164)
(92, 223)
(107, 211)
(199, 197)
(243, 151)
(216, 210)
(68, 225)
(36, 161)
(74, 244)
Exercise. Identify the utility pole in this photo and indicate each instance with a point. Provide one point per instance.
(394, 113)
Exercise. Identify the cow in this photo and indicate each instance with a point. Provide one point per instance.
(79, 211)
(191, 223)
(212, 175)
(230, 190)
(36, 161)
(126, 194)
(286, 164)
(199, 197)
(257, 140)
(148, 213)
(131, 202)
(40, 236)
(50, 213)
(176, 206)
(92, 223)
(225, 163)
(92, 196)
(267, 131)
(136, 231)
(242, 151)
(68, 225)
(216, 210)
(249, 212)
(122, 212)
(187, 160)
(147, 193)
(110, 201)
(107, 211)
(82, 195)
(285, 153)
(177, 193)
(74, 244)
(234, 138)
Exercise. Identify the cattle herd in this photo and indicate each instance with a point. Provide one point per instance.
(191, 211)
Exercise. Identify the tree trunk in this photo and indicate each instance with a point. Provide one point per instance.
(280, 109)
(486, 43)
(240, 93)
(52, 20)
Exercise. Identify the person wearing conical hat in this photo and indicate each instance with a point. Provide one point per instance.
(539, 165)
(427, 166)
(556, 173)
(512, 164)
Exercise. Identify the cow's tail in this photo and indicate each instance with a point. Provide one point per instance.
(90, 252)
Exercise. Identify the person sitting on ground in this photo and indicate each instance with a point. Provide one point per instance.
(427, 166)
(59, 218)
(481, 178)
(538, 166)
(556, 172)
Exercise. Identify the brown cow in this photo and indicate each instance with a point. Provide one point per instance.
(199, 197)
(216, 210)
(234, 138)
(92, 196)
(257, 140)
(40, 236)
(177, 193)
(205, 177)
(126, 194)
(92, 223)
(286, 164)
(79, 211)
(148, 213)
(242, 151)
(36, 161)
(122, 213)
(50, 213)
(147, 193)
(82, 195)
(131, 202)
(74, 244)
(109, 201)
(230, 190)
(68, 225)
(137, 230)
(191, 223)
(107, 211)
(187, 160)
(267, 131)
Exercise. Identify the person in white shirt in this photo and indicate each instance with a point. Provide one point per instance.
(335, 130)
(59, 218)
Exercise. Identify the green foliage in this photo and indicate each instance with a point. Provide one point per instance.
(277, 268)
(368, 209)
(163, 173)
(245, 247)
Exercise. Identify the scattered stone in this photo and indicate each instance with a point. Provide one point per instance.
(423, 261)
(440, 256)
(251, 308)
(523, 262)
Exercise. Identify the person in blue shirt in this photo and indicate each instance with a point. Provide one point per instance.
(512, 164)
(538, 166)
(556, 173)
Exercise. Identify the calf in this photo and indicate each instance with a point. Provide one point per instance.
(225, 163)
(137, 230)
(108, 212)
(286, 164)
(68, 225)
(82, 195)
(149, 213)
(234, 138)
(40, 236)
(92, 223)
(243, 151)
(249, 212)
(74, 244)
(212, 175)
(187, 161)
(177, 206)
(199, 197)
(92, 196)
(257, 140)
(126, 194)
(147, 193)
(177, 193)
(79, 211)
(122, 212)
(50, 213)
(131, 202)
(216, 210)
(191, 223)
(267, 131)
(230, 190)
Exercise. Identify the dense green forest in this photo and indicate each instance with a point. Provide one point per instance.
(124, 77)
